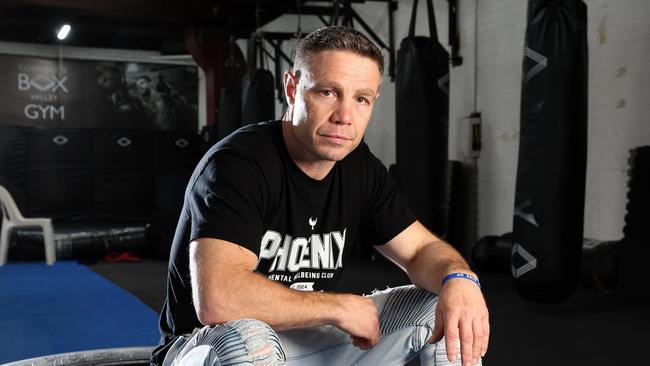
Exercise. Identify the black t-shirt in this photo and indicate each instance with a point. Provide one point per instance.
(247, 190)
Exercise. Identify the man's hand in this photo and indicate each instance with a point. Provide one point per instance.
(461, 315)
(358, 317)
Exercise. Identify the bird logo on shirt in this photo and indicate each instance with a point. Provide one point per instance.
(312, 222)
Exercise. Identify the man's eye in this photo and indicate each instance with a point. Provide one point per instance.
(326, 93)
(363, 100)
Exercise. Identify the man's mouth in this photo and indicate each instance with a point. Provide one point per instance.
(335, 139)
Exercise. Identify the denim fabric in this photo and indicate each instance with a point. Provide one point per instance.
(239, 342)
(406, 316)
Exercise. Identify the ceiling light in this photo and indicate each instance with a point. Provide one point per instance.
(63, 32)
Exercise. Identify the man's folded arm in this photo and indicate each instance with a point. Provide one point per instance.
(225, 287)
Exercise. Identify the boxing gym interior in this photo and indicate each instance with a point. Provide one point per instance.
(523, 142)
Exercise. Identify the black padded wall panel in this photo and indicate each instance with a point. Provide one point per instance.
(123, 175)
(59, 173)
(177, 152)
(176, 155)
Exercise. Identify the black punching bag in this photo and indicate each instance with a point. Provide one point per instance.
(258, 91)
(230, 98)
(422, 123)
(550, 190)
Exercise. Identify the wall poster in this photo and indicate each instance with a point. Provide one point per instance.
(72, 93)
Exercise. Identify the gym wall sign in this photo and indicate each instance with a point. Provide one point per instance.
(74, 93)
(43, 90)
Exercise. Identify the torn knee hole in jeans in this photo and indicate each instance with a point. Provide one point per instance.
(261, 356)
(260, 344)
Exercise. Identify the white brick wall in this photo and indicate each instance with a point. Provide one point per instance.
(501, 27)
(619, 107)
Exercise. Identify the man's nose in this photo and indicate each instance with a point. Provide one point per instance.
(343, 113)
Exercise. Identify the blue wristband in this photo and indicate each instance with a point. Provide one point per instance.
(461, 275)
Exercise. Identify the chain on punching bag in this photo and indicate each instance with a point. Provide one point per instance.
(550, 189)
(422, 123)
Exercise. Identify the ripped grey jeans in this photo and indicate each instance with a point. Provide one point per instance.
(406, 316)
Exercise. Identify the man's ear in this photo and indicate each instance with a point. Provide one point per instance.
(290, 82)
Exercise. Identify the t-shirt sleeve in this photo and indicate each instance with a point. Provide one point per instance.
(387, 213)
(226, 201)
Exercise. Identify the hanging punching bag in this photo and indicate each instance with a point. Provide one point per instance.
(258, 94)
(422, 123)
(550, 189)
(230, 98)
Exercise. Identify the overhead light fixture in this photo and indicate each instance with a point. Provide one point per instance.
(63, 31)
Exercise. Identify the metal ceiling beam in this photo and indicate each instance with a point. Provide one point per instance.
(321, 11)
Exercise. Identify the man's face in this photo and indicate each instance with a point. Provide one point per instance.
(330, 103)
(142, 86)
(109, 80)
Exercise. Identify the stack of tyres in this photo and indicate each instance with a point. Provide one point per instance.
(635, 249)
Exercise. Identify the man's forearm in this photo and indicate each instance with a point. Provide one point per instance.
(251, 295)
(433, 263)
(225, 288)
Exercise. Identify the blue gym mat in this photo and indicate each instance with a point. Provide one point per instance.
(65, 308)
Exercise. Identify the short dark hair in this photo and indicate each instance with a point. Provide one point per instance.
(338, 38)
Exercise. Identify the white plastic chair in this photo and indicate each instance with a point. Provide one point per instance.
(12, 218)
